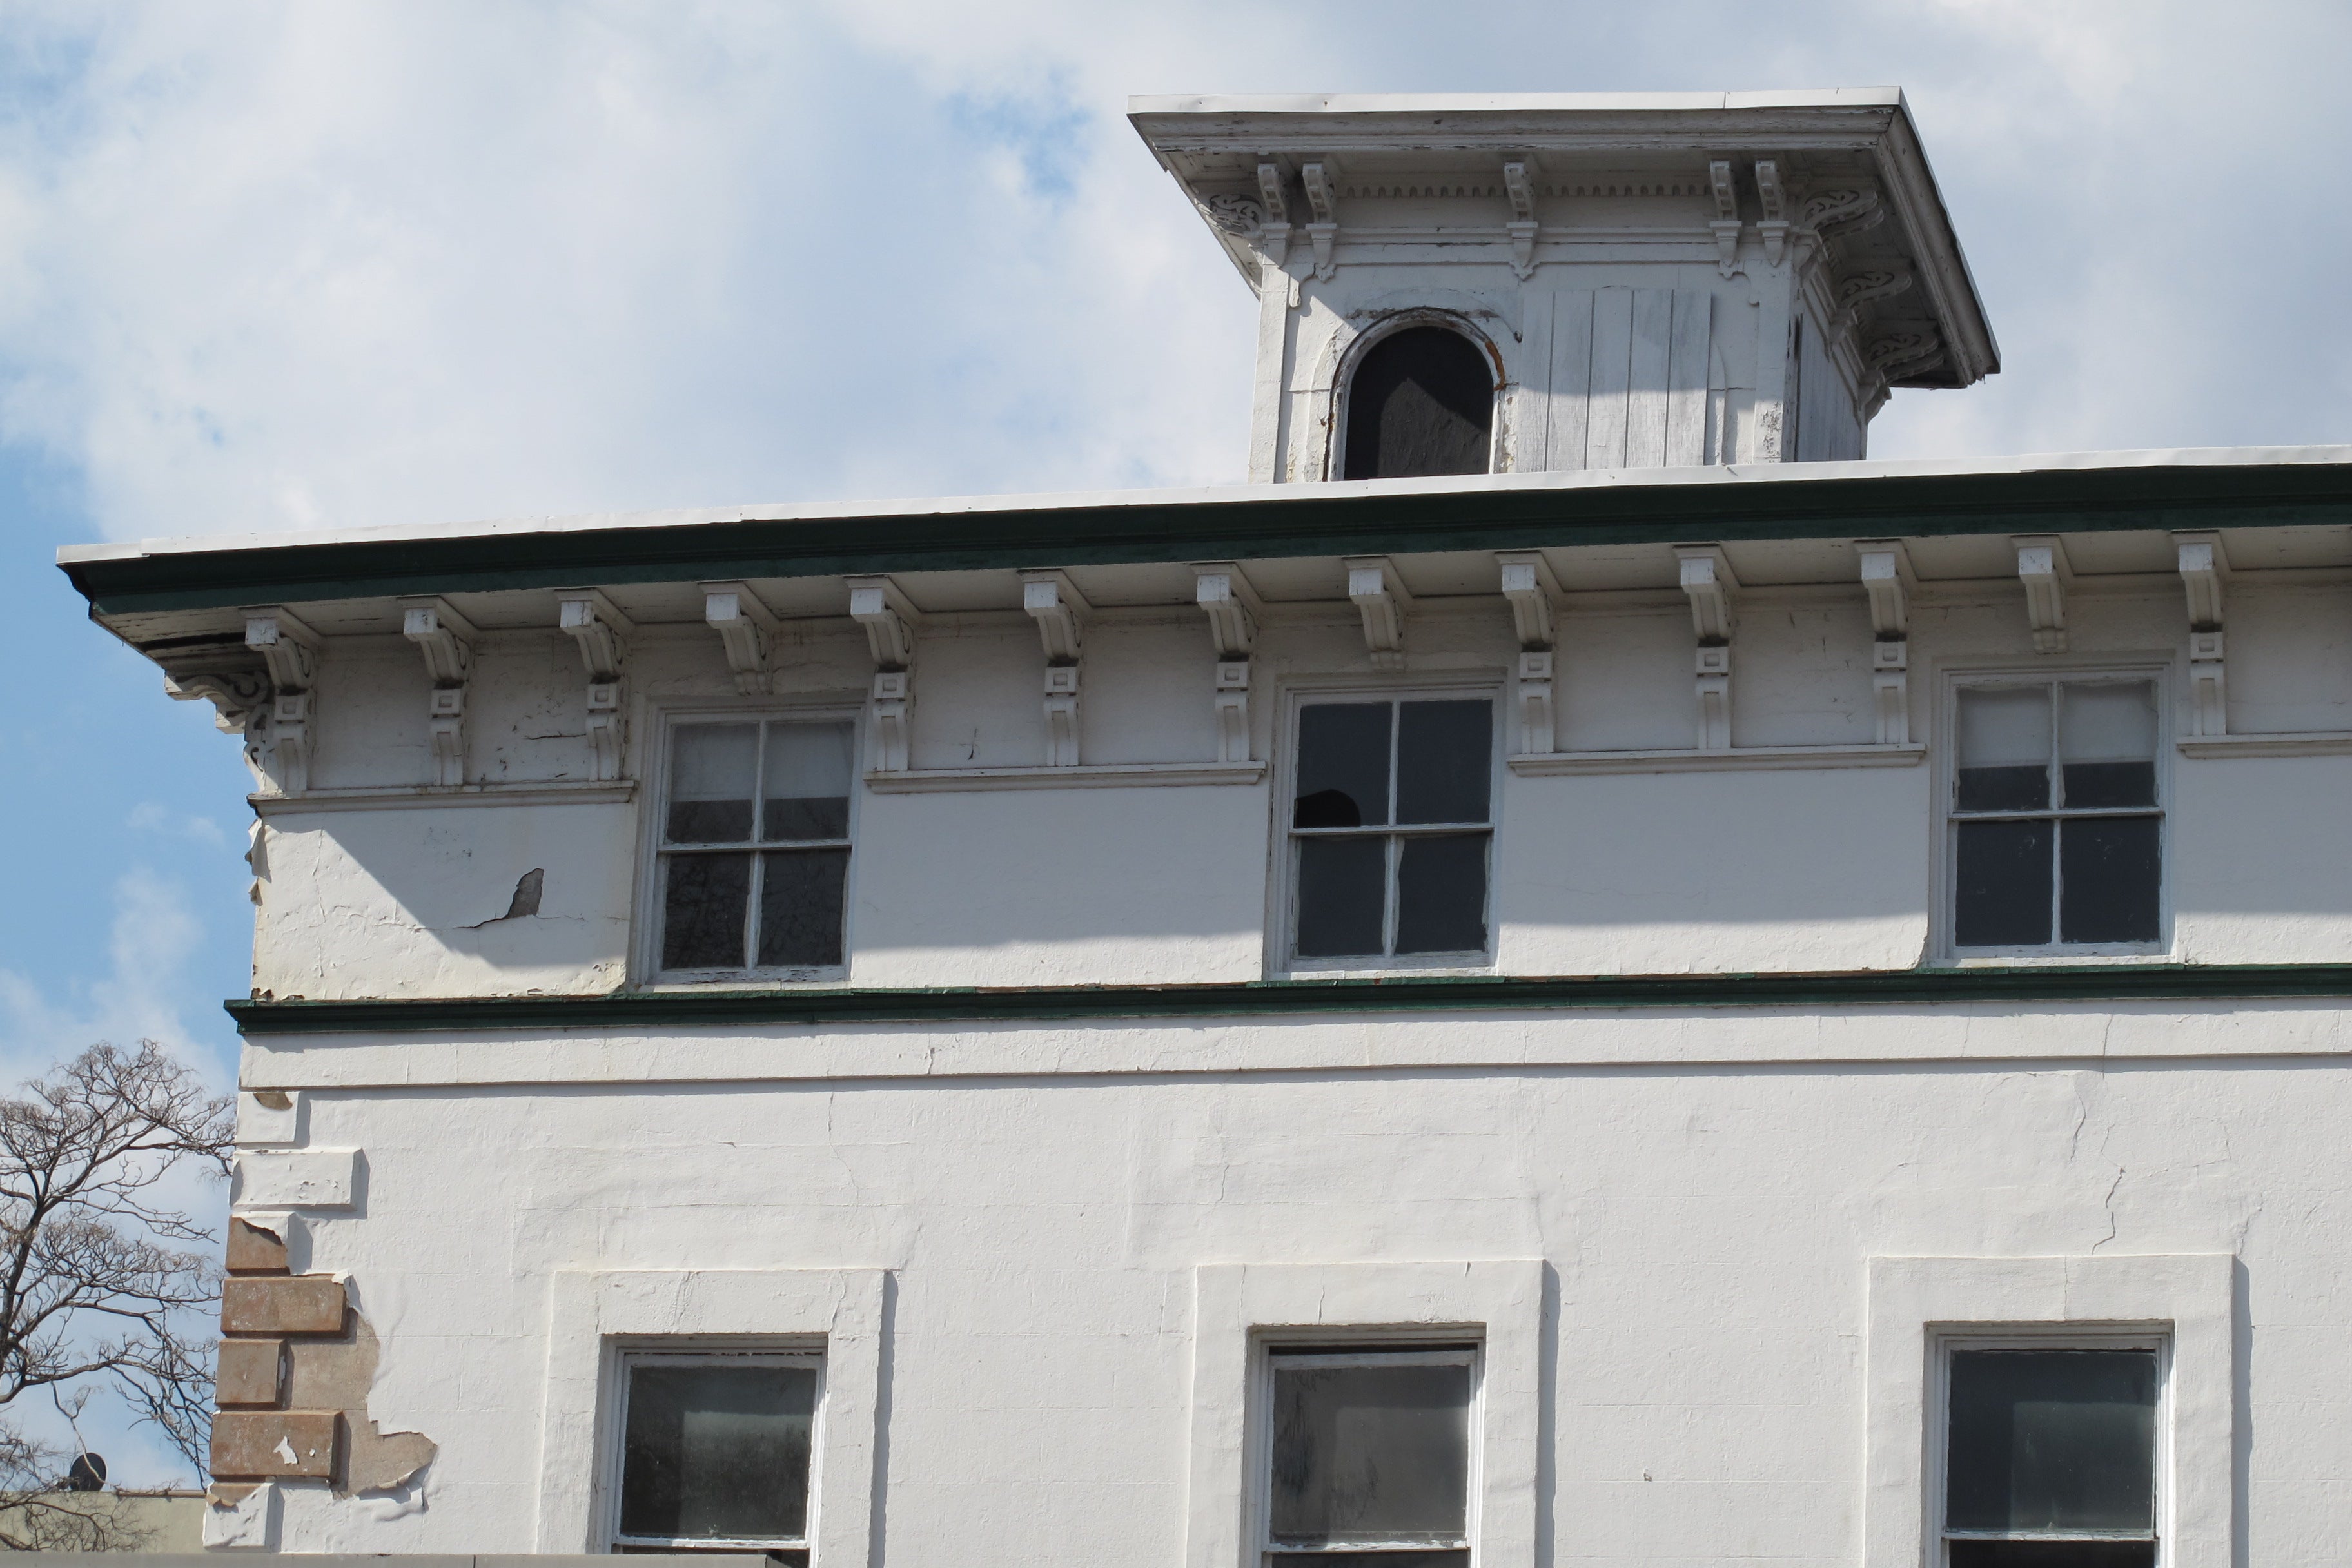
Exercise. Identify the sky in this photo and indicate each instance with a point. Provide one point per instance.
(272, 264)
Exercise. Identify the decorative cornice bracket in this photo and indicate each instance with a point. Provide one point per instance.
(889, 619)
(1322, 200)
(1534, 592)
(1049, 598)
(1707, 581)
(1725, 223)
(2205, 573)
(1381, 596)
(598, 628)
(1519, 182)
(2043, 567)
(1225, 592)
(445, 638)
(288, 647)
(1773, 229)
(1888, 578)
(745, 626)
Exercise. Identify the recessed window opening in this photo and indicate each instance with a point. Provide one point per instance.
(1391, 828)
(715, 1452)
(1421, 403)
(2049, 1458)
(2057, 830)
(755, 846)
(1368, 1457)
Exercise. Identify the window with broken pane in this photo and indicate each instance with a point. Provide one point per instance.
(2049, 1455)
(755, 846)
(2057, 830)
(715, 1452)
(1390, 829)
(1368, 1457)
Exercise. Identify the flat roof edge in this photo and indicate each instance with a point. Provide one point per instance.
(1507, 103)
(1565, 481)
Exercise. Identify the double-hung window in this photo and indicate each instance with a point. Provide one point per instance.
(754, 848)
(715, 1451)
(1367, 1458)
(1390, 826)
(2057, 830)
(2051, 1455)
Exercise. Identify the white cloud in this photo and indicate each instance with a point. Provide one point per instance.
(152, 816)
(155, 936)
(263, 265)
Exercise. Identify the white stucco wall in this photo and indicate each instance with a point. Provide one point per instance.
(1706, 1232)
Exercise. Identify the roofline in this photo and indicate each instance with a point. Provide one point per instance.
(1514, 102)
(2067, 492)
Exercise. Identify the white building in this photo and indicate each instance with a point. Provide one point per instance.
(1656, 1003)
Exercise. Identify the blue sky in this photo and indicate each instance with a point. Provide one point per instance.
(271, 265)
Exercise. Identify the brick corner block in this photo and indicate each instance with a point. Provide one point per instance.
(250, 1372)
(253, 1250)
(286, 1304)
(264, 1445)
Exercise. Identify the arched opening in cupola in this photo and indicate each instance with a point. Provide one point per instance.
(1421, 403)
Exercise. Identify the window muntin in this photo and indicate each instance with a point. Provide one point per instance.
(2057, 830)
(1368, 1457)
(754, 854)
(1419, 402)
(715, 1451)
(2049, 1455)
(1391, 830)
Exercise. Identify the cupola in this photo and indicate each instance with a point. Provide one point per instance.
(1470, 284)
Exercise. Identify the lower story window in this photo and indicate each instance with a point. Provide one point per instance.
(1368, 1458)
(715, 1452)
(2050, 1456)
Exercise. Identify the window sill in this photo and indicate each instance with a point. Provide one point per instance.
(1104, 775)
(2043, 960)
(2279, 744)
(1735, 759)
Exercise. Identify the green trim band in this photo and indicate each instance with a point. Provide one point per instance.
(1046, 1004)
(1313, 523)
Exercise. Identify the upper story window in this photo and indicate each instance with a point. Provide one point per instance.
(1369, 1452)
(2050, 1456)
(754, 848)
(1391, 826)
(1422, 402)
(2057, 828)
(715, 1452)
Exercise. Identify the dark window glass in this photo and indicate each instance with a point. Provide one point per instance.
(717, 1452)
(1441, 894)
(2002, 893)
(1343, 766)
(805, 778)
(711, 768)
(2109, 871)
(2053, 1553)
(1341, 885)
(2052, 1440)
(2091, 786)
(2004, 749)
(1375, 1558)
(2004, 789)
(799, 908)
(1369, 1454)
(1421, 403)
(703, 904)
(2107, 744)
(1443, 752)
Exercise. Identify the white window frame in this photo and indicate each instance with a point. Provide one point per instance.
(1356, 1348)
(653, 856)
(1917, 1303)
(2156, 670)
(1945, 1341)
(628, 1357)
(1283, 913)
(593, 1316)
(1240, 1309)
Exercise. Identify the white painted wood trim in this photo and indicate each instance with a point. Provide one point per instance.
(2192, 1296)
(1102, 775)
(589, 1312)
(1736, 758)
(1502, 1301)
(2284, 743)
(398, 797)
